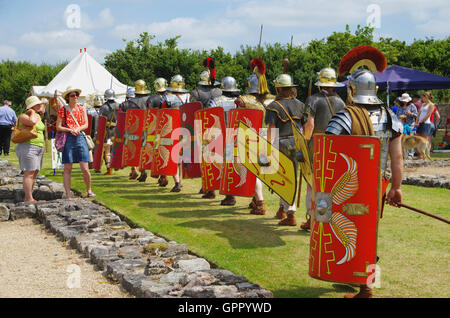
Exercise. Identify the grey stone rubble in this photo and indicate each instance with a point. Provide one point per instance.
(424, 180)
(144, 264)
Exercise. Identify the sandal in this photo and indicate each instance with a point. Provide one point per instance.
(91, 195)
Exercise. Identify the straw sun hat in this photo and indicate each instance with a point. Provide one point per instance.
(32, 101)
(69, 90)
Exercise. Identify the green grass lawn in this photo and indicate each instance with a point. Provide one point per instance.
(413, 249)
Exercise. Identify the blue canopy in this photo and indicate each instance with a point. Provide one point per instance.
(402, 78)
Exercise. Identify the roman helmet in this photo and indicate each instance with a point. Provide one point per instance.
(257, 82)
(284, 80)
(327, 77)
(177, 85)
(98, 100)
(160, 85)
(229, 84)
(131, 92)
(110, 94)
(141, 87)
(208, 76)
(362, 62)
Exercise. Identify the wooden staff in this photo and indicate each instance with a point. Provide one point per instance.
(260, 39)
(423, 212)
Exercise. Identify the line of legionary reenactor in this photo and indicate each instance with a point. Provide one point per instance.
(345, 176)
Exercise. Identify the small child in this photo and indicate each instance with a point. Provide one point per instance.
(406, 127)
(406, 131)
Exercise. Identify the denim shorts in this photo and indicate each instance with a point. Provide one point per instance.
(75, 150)
(425, 129)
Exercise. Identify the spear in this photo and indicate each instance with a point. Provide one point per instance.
(423, 212)
(260, 39)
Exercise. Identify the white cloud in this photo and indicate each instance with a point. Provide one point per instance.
(298, 13)
(195, 33)
(7, 52)
(105, 19)
(56, 39)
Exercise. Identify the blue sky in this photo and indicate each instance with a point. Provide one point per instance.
(39, 31)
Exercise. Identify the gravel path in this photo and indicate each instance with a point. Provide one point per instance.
(34, 263)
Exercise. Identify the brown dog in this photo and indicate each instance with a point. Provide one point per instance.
(415, 142)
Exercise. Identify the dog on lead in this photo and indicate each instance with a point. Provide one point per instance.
(418, 143)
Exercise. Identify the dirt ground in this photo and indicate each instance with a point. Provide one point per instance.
(35, 264)
(432, 171)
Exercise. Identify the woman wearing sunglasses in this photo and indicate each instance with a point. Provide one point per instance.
(72, 119)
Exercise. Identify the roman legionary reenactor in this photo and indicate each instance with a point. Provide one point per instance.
(94, 112)
(138, 102)
(204, 93)
(282, 113)
(230, 92)
(109, 110)
(319, 108)
(257, 97)
(158, 100)
(178, 95)
(349, 201)
(206, 90)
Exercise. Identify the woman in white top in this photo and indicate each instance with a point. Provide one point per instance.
(423, 122)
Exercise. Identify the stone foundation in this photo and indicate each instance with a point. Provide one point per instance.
(143, 263)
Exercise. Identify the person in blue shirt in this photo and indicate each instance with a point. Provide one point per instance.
(8, 119)
(394, 107)
(406, 127)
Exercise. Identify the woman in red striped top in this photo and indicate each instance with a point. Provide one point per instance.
(72, 119)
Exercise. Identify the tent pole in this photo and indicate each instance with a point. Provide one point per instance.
(387, 91)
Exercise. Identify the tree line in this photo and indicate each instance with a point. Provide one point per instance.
(141, 58)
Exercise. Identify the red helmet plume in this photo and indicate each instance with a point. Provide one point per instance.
(362, 55)
(258, 63)
(210, 63)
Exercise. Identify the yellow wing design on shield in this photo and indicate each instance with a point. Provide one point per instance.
(344, 189)
(347, 233)
(347, 185)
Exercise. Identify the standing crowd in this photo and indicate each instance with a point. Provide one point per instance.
(419, 116)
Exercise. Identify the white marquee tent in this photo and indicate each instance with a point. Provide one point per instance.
(85, 73)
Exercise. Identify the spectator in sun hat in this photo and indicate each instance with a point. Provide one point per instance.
(31, 152)
(72, 119)
(407, 108)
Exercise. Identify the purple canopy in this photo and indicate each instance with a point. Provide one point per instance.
(402, 79)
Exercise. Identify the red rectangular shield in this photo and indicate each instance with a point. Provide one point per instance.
(212, 141)
(89, 129)
(346, 207)
(148, 139)
(236, 179)
(191, 169)
(166, 143)
(134, 125)
(117, 148)
(99, 140)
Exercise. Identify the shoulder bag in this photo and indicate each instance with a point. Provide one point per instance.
(23, 133)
